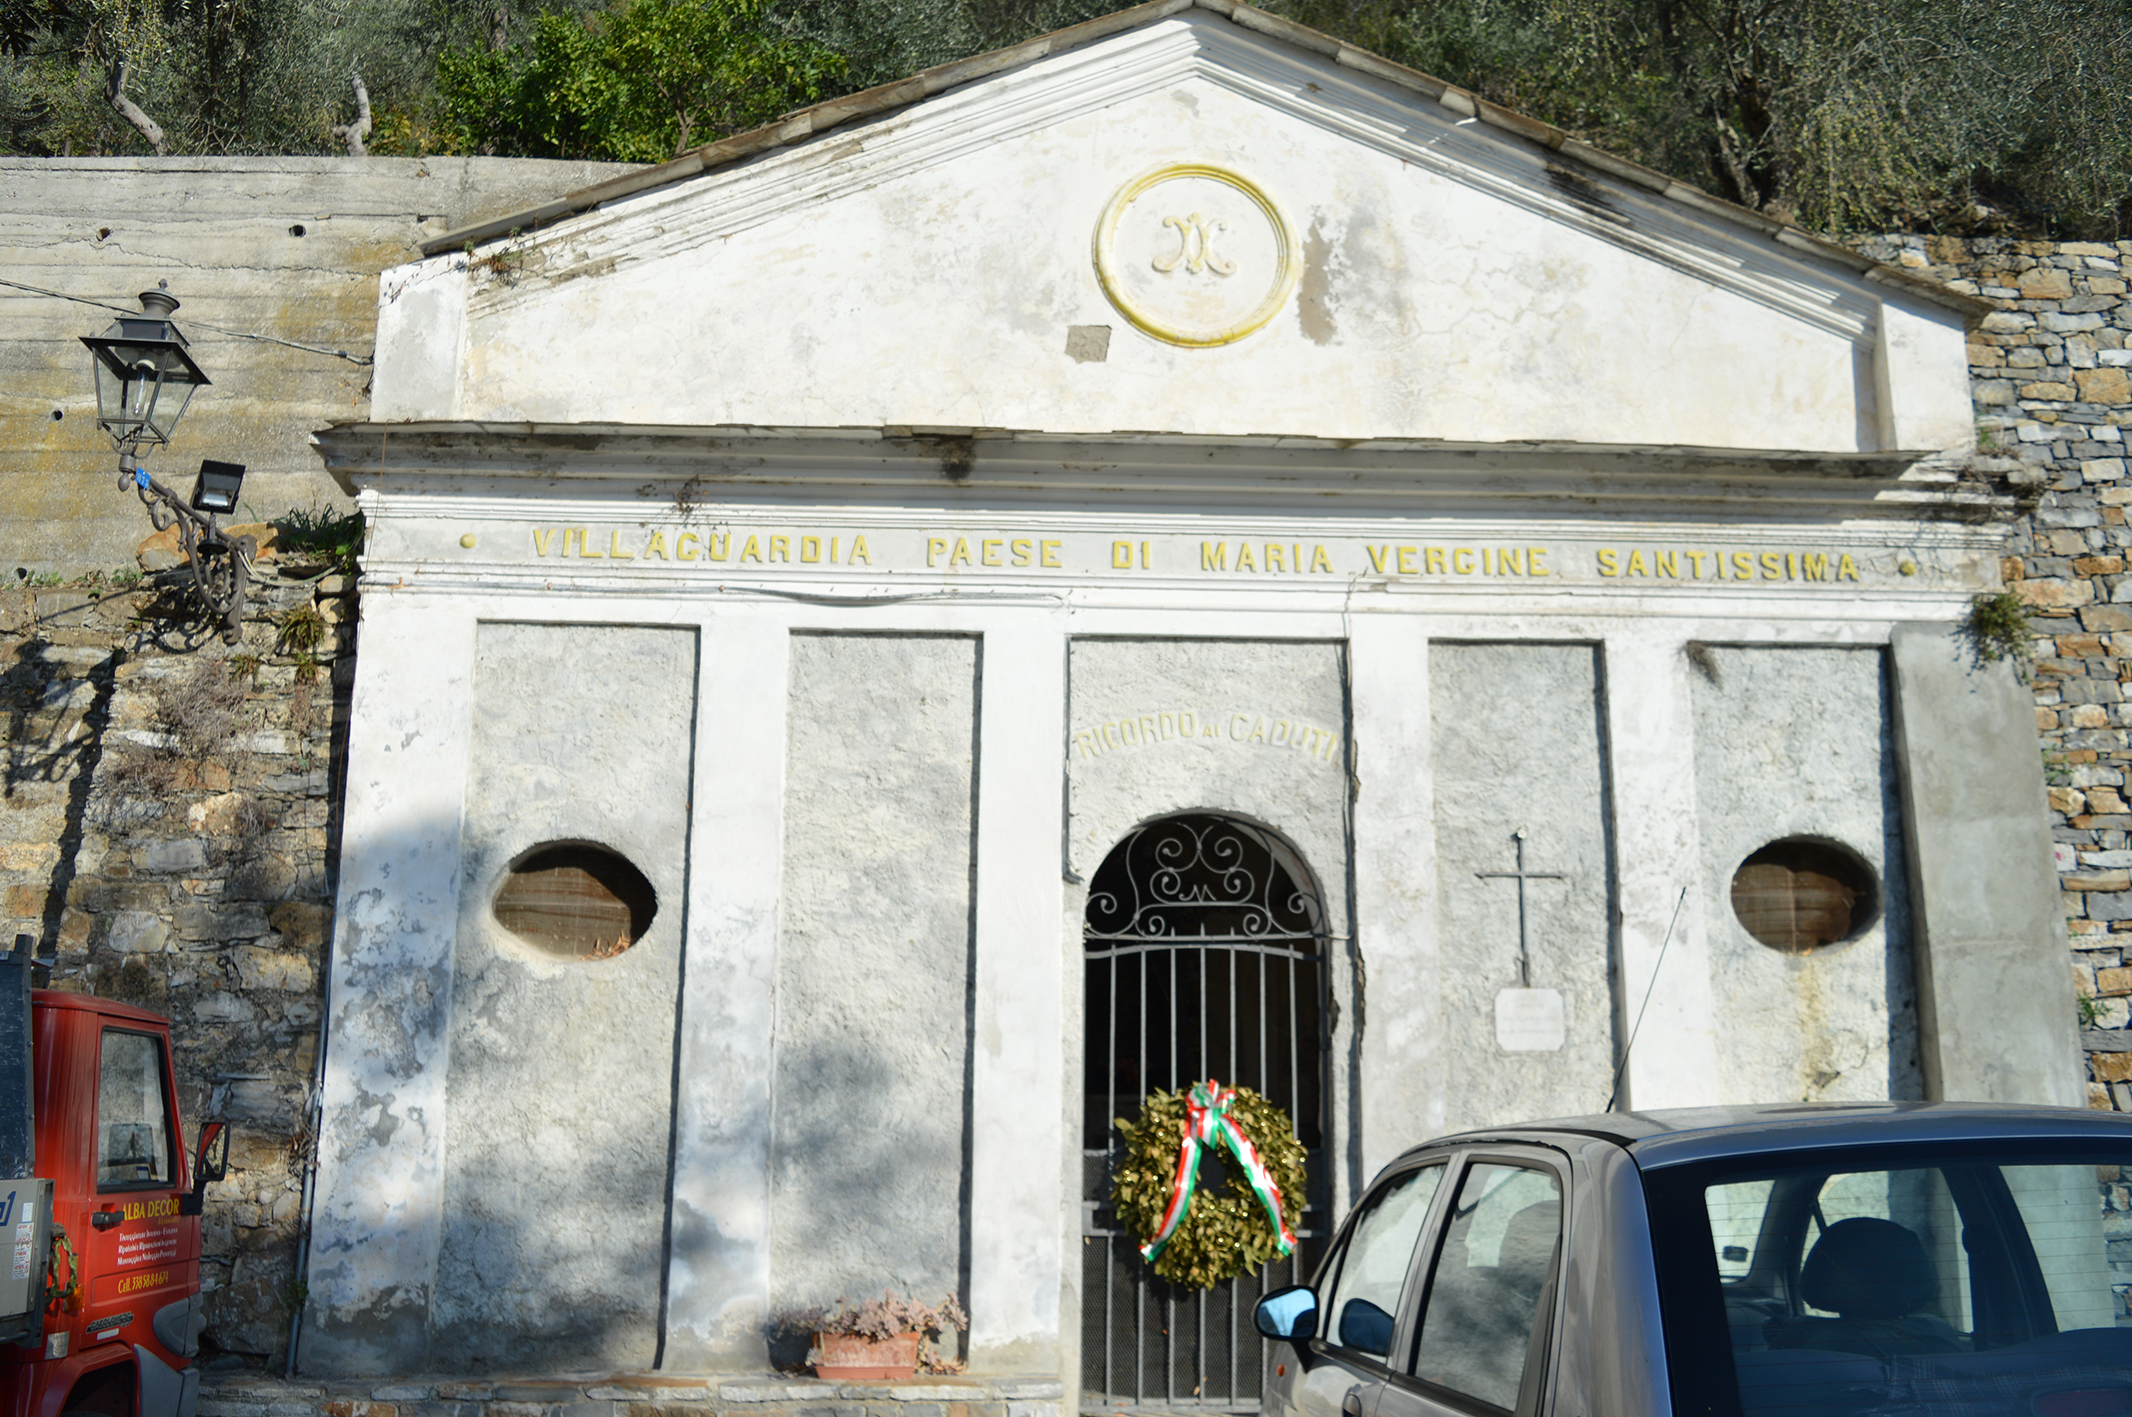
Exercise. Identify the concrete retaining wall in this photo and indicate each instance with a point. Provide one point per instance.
(288, 247)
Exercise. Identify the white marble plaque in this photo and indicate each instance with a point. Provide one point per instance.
(1530, 1021)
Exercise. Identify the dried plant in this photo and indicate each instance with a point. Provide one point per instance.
(885, 1317)
(200, 711)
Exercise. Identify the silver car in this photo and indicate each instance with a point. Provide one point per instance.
(1877, 1260)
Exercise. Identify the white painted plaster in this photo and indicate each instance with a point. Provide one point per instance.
(924, 270)
(777, 349)
(1673, 1061)
(1023, 1111)
(1923, 368)
(1401, 1082)
(422, 324)
(719, 1272)
(375, 1218)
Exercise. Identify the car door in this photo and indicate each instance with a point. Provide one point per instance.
(1361, 1292)
(1478, 1343)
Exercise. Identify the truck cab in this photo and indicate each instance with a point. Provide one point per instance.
(121, 1315)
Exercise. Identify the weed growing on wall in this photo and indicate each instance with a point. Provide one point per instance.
(303, 630)
(1998, 628)
(321, 534)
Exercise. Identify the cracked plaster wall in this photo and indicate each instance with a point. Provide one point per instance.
(1796, 742)
(1497, 711)
(869, 1169)
(562, 1070)
(1236, 697)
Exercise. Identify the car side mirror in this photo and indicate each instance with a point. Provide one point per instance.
(210, 1164)
(1290, 1313)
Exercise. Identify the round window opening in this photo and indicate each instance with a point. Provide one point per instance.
(1799, 894)
(576, 900)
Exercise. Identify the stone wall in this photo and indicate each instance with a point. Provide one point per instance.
(2052, 372)
(167, 836)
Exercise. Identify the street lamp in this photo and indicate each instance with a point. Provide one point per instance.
(145, 377)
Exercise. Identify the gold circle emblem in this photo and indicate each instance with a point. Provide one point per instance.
(1195, 255)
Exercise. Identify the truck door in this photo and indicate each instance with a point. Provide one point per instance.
(134, 1250)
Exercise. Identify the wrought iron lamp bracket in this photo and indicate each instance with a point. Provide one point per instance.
(221, 566)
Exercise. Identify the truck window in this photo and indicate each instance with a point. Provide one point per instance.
(132, 1115)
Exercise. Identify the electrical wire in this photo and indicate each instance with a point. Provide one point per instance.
(357, 359)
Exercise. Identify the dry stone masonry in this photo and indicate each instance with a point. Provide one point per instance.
(2052, 373)
(167, 838)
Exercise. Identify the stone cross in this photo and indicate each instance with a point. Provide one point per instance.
(1521, 876)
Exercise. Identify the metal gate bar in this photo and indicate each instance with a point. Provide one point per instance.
(1218, 899)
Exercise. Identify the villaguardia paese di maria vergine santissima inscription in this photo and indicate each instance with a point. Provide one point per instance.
(1009, 554)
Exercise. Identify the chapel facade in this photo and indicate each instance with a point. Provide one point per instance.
(1178, 551)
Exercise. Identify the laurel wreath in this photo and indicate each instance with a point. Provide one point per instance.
(1225, 1233)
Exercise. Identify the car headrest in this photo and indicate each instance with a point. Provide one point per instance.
(1529, 1239)
(1864, 1268)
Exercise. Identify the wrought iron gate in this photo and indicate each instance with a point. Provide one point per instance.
(1205, 958)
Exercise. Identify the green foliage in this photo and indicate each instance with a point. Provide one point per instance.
(1841, 114)
(323, 534)
(1225, 1233)
(1998, 628)
(303, 629)
(1844, 115)
(2090, 1010)
(641, 82)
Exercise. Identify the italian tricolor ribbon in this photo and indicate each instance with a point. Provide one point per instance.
(1207, 1123)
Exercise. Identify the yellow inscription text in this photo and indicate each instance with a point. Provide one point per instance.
(1220, 725)
(708, 546)
(1007, 552)
(1262, 556)
(1431, 560)
(1680, 564)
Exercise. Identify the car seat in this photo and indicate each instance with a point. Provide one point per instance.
(1875, 1277)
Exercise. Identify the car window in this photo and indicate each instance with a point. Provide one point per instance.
(132, 1118)
(1492, 1272)
(1967, 1284)
(1363, 1298)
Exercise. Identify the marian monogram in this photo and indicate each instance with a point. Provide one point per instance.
(1195, 246)
(1195, 255)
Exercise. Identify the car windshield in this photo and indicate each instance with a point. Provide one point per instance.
(1966, 1282)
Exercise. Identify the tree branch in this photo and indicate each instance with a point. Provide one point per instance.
(115, 91)
(353, 133)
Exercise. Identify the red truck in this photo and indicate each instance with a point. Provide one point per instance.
(100, 1308)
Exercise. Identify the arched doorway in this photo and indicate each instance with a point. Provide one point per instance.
(1205, 957)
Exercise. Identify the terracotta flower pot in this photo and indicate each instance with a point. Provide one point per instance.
(847, 1355)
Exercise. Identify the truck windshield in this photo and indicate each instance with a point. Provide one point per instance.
(1969, 1283)
(132, 1117)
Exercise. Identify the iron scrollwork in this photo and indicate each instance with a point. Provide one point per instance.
(1200, 880)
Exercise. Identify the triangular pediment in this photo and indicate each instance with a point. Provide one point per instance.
(1186, 226)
